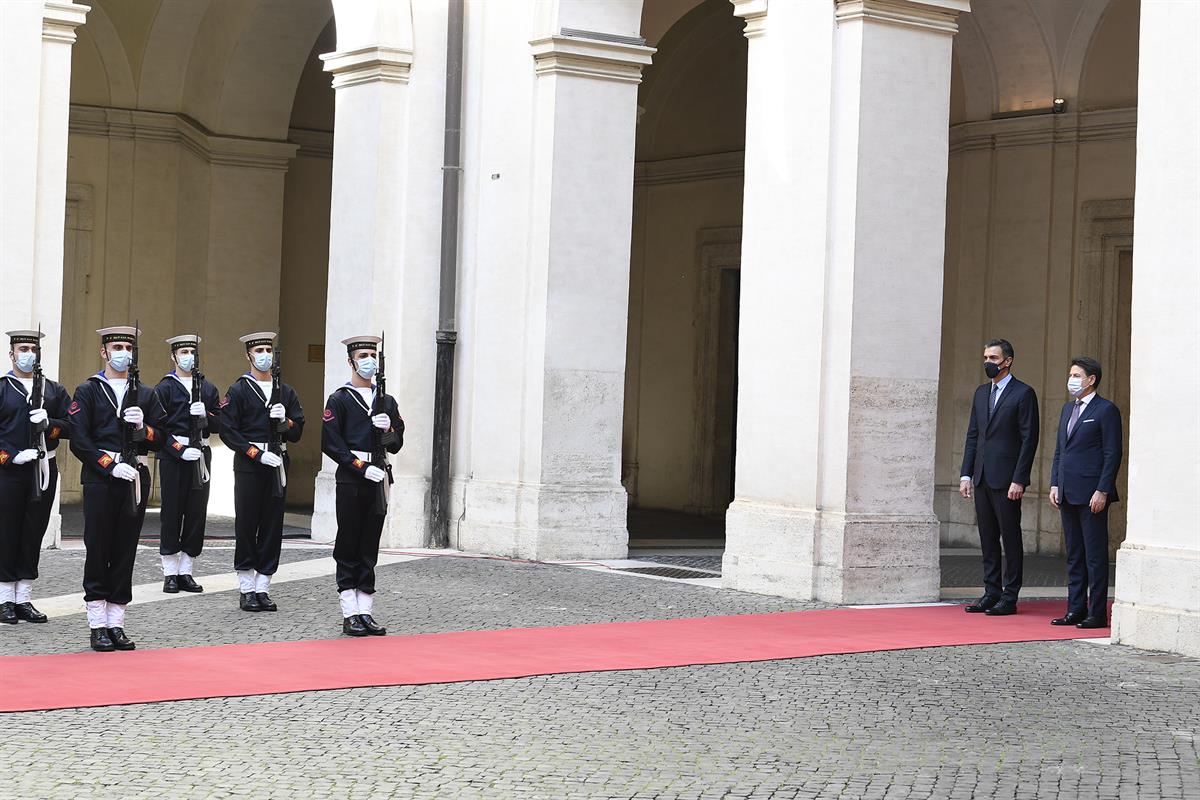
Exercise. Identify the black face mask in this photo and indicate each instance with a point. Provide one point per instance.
(991, 369)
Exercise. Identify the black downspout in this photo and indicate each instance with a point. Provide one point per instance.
(447, 335)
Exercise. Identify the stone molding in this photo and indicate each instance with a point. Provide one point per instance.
(598, 59)
(158, 126)
(312, 143)
(939, 16)
(60, 19)
(379, 64)
(690, 168)
(1068, 128)
(755, 14)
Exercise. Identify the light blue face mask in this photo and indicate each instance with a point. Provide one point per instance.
(367, 367)
(120, 360)
(186, 362)
(25, 361)
(262, 361)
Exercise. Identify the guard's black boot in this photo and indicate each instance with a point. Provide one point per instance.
(8, 613)
(120, 640)
(373, 627)
(265, 603)
(100, 641)
(352, 626)
(188, 584)
(171, 584)
(27, 612)
(249, 602)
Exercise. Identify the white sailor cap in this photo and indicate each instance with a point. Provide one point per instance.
(118, 333)
(23, 337)
(183, 340)
(361, 343)
(252, 340)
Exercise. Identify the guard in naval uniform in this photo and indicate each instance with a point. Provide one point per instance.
(354, 422)
(106, 417)
(29, 438)
(250, 409)
(184, 469)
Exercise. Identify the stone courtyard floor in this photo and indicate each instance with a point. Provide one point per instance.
(1034, 720)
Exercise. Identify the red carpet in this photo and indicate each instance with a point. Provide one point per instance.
(29, 683)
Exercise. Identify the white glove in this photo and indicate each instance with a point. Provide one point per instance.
(125, 472)
(381, 421)
(271, 459)
(198, 410)
(278, 411)
(190, 454)
(134, 415)
(38, 415)
(25, 456)
(374, 474)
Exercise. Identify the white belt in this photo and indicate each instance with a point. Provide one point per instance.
(263, 446)
(143, 460)
(362, 456)
(186, 441)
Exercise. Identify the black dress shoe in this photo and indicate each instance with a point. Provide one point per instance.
(120, 640)
(265, 602)
(352, 626)
(8, 613)
(249, 602)
(1071, 618)
(171, 584)
(982, 604)
(188, 584)
(1002, 609)
(373, 627)
(1093, 622)
(27, 612)
(100, 641)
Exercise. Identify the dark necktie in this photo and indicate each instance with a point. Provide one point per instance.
(1074, 416)
(992, 402)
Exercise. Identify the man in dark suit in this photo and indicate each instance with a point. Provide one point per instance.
(1083, 484)
(1002, 437)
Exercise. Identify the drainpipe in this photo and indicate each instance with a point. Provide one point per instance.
(447, 334)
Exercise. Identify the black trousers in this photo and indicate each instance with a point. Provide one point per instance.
(999, 521)
(23, 521)
(1086, 537)
(184, 507)
(258, 521)
(356, 551)
(110, 533)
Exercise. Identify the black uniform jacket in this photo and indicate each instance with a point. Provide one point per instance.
(176, 401)
(245, 420)
(346, 427)
(96, 426)
(14, 421)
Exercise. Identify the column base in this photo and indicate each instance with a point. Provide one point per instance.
(544, 522)
(407, 519)
(1158, 599)
(839, 558)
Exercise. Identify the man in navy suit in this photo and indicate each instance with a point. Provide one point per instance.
(1002, 437)
(1083, 485)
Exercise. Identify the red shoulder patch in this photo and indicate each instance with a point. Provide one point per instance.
(359, 463)
(3, 456)
(177, 445)
(327, 416)
(105, 460)
(224, 401)
(74, 409)
(54, 432)
(252, 452)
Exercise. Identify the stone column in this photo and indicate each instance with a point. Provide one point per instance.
(545, 477)
(843, 227)
(383, 238)
(1158, 567)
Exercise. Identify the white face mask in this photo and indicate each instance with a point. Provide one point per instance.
(120, 360)
(1075, 386)
(186, 362)
(25, 361)
(262, 361)
(367, 367)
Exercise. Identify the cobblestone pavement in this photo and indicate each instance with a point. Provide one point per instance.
(1034, 720)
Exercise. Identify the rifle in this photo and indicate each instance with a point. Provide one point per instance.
(276, 427)
(37, 431)
(198, 425)
(381, 439)
(131, 434)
